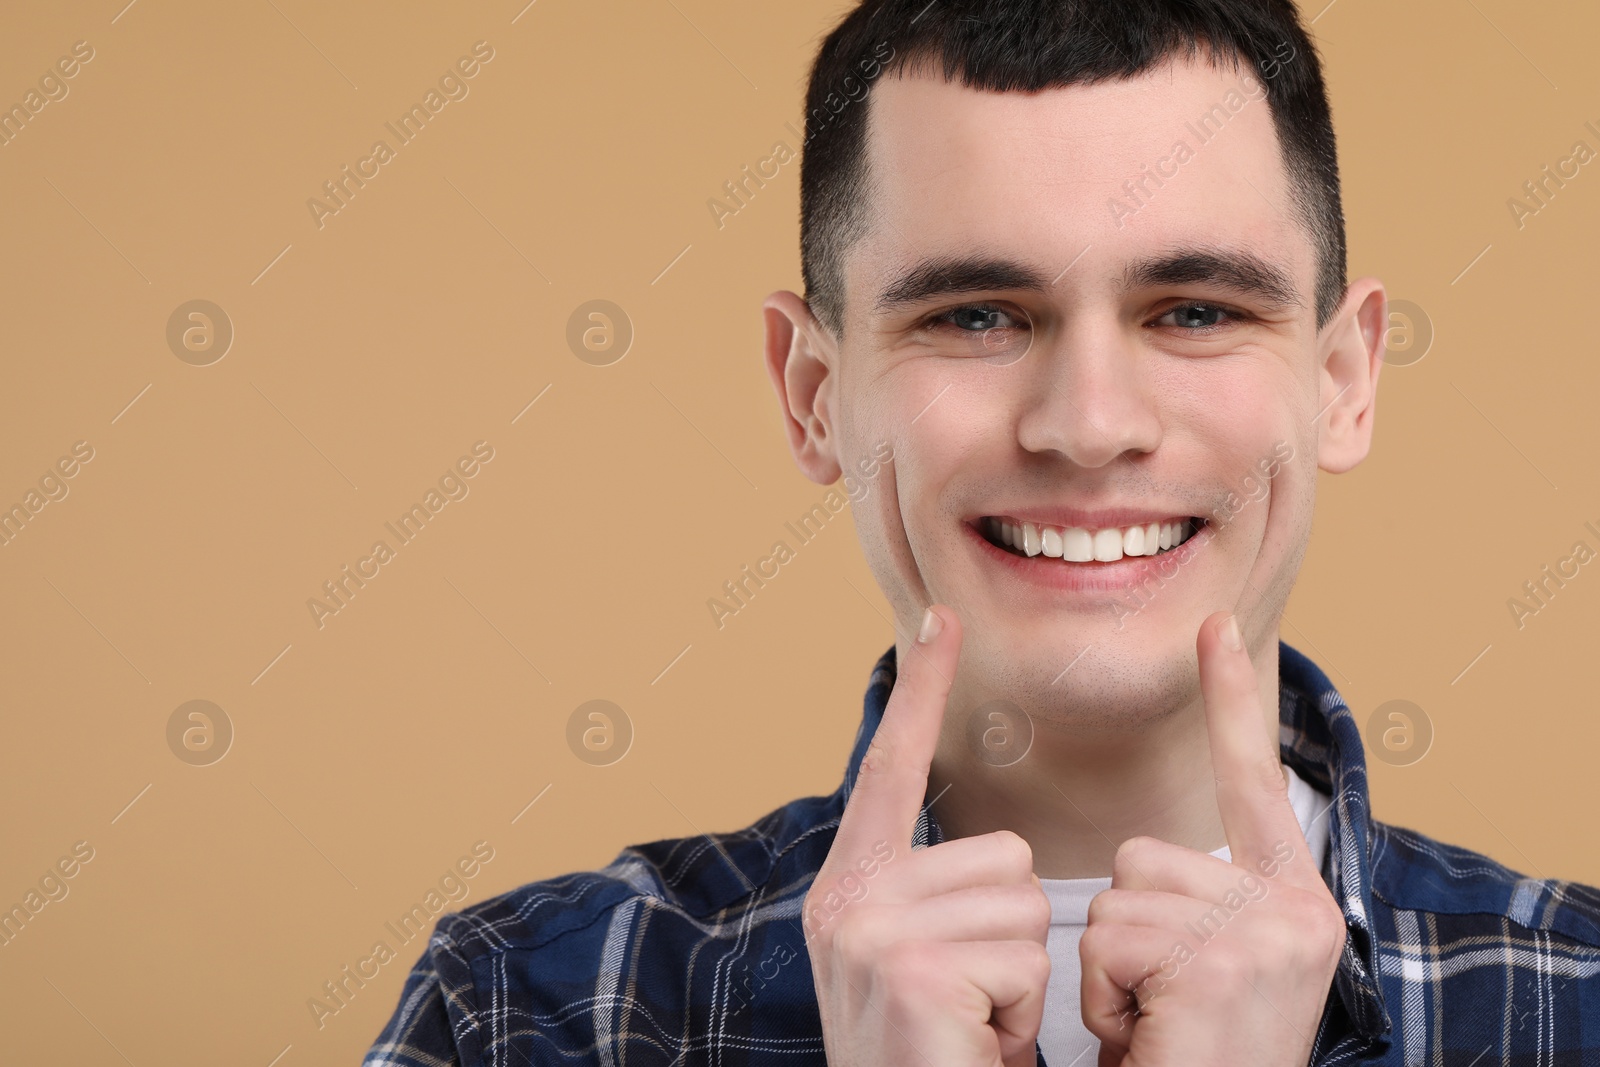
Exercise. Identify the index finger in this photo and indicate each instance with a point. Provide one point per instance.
(1252, 791)
(893, 777)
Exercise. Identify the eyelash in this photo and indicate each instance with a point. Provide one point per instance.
(1234, 314)
(940, 318)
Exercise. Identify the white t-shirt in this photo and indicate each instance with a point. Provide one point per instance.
(1062, 1036)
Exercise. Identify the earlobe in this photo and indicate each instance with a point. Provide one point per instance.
(801, 360)
(1351, 351)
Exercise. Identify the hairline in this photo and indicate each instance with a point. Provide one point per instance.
(856, 223)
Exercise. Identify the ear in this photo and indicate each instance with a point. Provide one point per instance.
(802, 362)
(1350, 351)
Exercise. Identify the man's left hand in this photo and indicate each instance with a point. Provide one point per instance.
(1189, 959)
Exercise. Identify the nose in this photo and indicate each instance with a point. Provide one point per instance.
(1088, 395)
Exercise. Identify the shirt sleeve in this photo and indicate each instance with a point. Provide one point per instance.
(419, 1033)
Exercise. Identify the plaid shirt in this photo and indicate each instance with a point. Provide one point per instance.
(691, 951)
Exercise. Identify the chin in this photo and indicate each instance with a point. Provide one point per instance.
(1083, 673)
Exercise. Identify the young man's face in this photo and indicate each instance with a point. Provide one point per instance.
(1164, 366)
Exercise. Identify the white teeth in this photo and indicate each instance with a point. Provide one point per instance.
(1052, 541)
(1133, 541)
(1078, 545)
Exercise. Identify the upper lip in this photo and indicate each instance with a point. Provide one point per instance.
(1086, 518)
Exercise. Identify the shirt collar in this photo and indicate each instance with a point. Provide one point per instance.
(1319, 738)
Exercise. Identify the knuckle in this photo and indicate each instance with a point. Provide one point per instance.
(879, 758)
(1330, 931)
(1092, 945)
(1013, 852)
(1318, 921)
(1102, 906)
(854, 939)
(842, 943)
(1035, 909)
(1134, 847)
(1268, 771)
(1036, 963)
(885, 761)
(1130, 854)
(828, 910)
(808, 909)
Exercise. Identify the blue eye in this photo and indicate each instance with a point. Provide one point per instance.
(993, 333)
(1196, 316)
(976, 318)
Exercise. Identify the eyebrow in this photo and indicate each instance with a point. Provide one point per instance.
(1240, 271)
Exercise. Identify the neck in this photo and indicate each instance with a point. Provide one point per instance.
(1078, 794)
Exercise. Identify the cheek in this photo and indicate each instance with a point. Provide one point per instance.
(882, 528)
(929, 415)
(1291, 497)
(1276, 531)
(1242, 411)
(948, 438)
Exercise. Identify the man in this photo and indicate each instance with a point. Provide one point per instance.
(1077, 269)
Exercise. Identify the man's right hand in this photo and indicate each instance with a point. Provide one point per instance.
(932, 957)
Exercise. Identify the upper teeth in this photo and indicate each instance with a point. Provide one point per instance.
(1078, 545)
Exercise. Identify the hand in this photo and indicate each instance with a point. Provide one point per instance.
(1191, 960)
(934, 957)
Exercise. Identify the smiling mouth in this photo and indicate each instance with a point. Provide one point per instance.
(1074, 544)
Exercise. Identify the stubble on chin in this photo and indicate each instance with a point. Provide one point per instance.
(1109, 689)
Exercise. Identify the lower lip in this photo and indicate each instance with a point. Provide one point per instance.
(1093, 576)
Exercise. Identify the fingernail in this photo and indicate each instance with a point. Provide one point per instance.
(931, 625)
(1230, 634)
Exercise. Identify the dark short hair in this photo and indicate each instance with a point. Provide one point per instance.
(1028, 45)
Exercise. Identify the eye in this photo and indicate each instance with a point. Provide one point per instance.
(996, 334)
(975, 318)
(1198, 317)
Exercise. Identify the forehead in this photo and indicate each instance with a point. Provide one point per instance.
(1182, 155)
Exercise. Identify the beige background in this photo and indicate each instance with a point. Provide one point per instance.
(370, 754)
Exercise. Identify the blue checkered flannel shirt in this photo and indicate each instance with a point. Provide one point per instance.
(691, 951)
